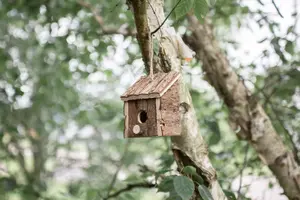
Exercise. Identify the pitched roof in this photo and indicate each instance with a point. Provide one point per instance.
(146, 88)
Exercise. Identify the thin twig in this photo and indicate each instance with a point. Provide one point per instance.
(153, 32)
(277, 9)
(295, 150)
(260, 2)
(296, 17)
(267, 98)
(121, 162)
(155, 15)
(242, 170)
(130, 187)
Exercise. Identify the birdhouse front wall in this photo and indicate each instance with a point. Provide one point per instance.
(141, 118)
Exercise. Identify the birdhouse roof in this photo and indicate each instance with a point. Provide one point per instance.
(146, 88)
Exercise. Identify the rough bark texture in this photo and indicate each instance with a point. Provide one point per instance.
(246, 114)
(189, 148)
(169, 111)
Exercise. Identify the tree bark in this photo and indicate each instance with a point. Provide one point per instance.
(246, 114)
(189, 148)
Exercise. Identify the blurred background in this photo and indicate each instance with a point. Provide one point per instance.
(64, 65)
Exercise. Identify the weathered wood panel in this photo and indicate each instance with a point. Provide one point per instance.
(165, 83)
(170, 114)
(158, 118)
(126, 122)
(149, 127)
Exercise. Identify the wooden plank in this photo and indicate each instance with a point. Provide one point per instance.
(139, 87)
(151, 122)
(158, 117)
(166, 83)
(143, 106)
(141, 96)
(132, 111)
(146, 86)
(164, 88)
(133, 87)
(126, 123)
(170, 113)
(158, 78)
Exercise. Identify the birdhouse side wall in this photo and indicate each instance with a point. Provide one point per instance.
(169, 110)
(132, 111)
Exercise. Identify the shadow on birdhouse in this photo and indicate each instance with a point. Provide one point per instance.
(151, 106)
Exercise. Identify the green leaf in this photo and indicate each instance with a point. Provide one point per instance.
(245, 9)
(271, 185)
(183, 8)
(289, 47)
(128, 196)
(271, 27)
(133, 178)
(174, 196)
(162, 171)
(205, 193)
(166, 185)
(184, 187)
(189, 170)
(198, 179)
(91, 194)
(216, 133)
(230, 195)
(290, 29)
(200, 9)
(166, 160)
(108, 73)
(211, 2)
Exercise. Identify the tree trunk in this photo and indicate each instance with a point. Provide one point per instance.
(246, 114)
(189, 148)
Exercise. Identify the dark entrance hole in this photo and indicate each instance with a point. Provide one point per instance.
(142, 116)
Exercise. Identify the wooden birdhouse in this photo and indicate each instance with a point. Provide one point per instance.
(151, 106)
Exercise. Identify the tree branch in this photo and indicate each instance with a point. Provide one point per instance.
(118, 168)
(19, 156)
(295, 149)
(276, 114)
(245, 112)
(130, 187)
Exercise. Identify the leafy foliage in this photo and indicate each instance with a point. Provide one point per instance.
(184, 187)
(230, 195)
(200, 8)
(204, 193)
(179, 187)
